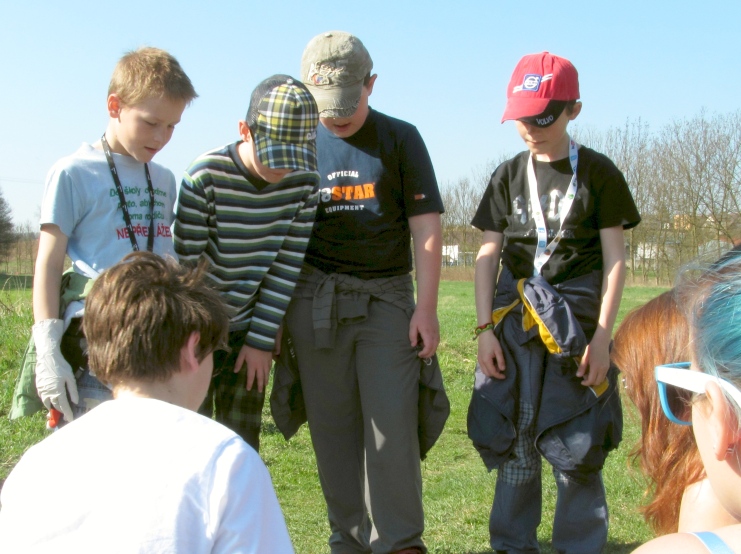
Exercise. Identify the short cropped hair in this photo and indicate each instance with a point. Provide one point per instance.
(150, 73)
(141, 312)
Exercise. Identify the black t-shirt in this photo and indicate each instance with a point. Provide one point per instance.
(371, 184)
(602, 200)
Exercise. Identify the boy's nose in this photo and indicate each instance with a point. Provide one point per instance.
(162, 136)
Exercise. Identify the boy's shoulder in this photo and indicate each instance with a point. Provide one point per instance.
(594, 157)
(218, 151)
(213, 158)
(588, 157)
(80, 158)
(88, 159)
(512, 166)
(389, 123)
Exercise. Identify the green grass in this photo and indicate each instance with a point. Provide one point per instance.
(16, 319)
(457, 488)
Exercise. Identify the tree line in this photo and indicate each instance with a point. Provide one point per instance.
(685, 179)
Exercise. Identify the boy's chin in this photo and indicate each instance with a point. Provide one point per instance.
(144, 156)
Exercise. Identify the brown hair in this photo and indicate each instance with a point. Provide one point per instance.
(150, 73)
(141, 312)
(658, 333)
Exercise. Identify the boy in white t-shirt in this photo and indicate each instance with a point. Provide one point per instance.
(144, 472)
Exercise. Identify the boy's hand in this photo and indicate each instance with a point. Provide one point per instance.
(490, 356)
(258, 366)
(595, 362)
(54, 376)
(424, 332)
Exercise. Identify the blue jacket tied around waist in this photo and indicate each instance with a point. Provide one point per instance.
(544, 330)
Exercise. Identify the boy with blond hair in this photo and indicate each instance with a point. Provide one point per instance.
(248, 208)
(554, 215)
(144, 472)
(99, 204)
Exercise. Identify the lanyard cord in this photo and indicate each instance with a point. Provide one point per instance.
(122, 199)
(543, 251)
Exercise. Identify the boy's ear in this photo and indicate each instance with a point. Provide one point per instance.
(114, 105)
(244, 131)
(722, 420)
(371, 82)
(575, 111)
(189, 353)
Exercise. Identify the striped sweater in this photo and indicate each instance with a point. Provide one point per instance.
(254, 237)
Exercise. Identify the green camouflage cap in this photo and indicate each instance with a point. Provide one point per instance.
(333, 67)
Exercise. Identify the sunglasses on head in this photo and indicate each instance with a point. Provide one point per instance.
(677, 386)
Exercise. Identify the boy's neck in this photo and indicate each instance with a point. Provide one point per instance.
(558, 152)
(113, 143)
(171, 391)
(243, 151)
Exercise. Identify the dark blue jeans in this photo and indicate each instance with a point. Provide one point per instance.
(579, 525)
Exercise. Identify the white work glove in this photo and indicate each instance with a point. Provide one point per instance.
(54, 376)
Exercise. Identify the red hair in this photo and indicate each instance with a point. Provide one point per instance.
(658, 333)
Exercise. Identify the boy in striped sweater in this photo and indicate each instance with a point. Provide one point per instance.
(248, 208)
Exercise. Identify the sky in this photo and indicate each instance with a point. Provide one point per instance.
(443, 66)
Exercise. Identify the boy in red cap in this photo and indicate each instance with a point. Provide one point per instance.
(554, 215)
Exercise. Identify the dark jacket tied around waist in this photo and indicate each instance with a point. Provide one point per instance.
(544, 330)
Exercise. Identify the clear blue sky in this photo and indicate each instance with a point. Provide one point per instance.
(443, 66)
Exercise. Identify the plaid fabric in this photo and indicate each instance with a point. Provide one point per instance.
(526, 464)
(285, 126)
(228, 400)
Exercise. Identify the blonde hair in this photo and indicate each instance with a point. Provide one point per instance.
(150, 73)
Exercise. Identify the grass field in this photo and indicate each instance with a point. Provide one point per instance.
(457, 489)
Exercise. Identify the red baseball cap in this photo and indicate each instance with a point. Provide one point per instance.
(538, 79)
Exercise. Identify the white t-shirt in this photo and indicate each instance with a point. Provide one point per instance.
(141, 475)
(81, 198)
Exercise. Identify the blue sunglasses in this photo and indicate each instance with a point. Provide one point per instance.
(677, 385)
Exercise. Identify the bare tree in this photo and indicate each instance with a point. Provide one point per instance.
(722, 204)
(461, 200)
(630, 148)
(685, 180)
(7, 235)
(24, 248)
